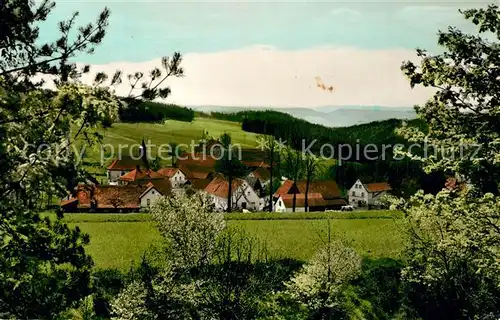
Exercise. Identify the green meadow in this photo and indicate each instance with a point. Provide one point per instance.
(120, 240)
(130, 135)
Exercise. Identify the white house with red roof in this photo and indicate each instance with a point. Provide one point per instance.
(122, 166)
(176, 176)
(322, 195)
(367, 194)
(243, 195)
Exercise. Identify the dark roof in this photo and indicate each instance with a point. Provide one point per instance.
(327, 188)
(199, 184)
(164, 186)
(126, 163)
(262, 173)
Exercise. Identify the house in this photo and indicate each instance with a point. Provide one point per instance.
(176, 176)
(367, 194)
(139, 176)
(122, 166)
(112, 198)
(243, 196)
(328, 190)
(284, 203)
(259, 179)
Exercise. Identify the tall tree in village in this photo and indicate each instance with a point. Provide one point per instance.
(44, 268)
(173, 152)
(229, 166)
(270, 146)
(453, 259)
(311, 166)
(293, 166)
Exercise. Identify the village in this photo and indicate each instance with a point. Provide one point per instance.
(132, 186)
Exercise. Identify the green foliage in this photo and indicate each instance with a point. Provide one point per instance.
(454, 236)
(463, 113)
(453, 260)
(44, 268)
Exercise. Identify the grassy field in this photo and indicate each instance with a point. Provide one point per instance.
(130, 134)
(117, 240)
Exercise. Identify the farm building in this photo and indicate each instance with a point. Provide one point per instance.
(367, 194)
(322, 195)
(243, 195)
(123, 198)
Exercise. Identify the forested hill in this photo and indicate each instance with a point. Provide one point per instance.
(285, 126)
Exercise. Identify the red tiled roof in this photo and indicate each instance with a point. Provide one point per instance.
(108, 197)
(377, 187)
(284, 188)
(168, 172)
(125, 163)
(219, 186)
(313, 200)
(327, 188)
(136, 175)
(196, 172)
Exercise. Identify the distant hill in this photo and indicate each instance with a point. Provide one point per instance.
(330, 116)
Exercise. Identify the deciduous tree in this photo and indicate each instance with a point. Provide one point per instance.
(44, 268)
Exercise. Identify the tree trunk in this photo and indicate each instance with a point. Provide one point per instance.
(306, 200)
(229, 192)
(294, 197)
(271, 185)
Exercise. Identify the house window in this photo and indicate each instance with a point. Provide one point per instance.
(148, 202)
(248, 193)
(353, 193)
(362, 194)
(153, 192)
(244, 205)
(123, 172)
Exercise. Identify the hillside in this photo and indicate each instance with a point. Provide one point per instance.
(128, 135)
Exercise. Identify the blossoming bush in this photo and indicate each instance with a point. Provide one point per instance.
(190, 226)
(321, 284)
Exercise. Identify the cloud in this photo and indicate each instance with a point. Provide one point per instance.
(265, 76)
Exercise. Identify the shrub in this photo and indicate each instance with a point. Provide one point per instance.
(453, 258)
(320, 286)
(190, 227)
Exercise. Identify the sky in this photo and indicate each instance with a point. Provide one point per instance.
(268, 53)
